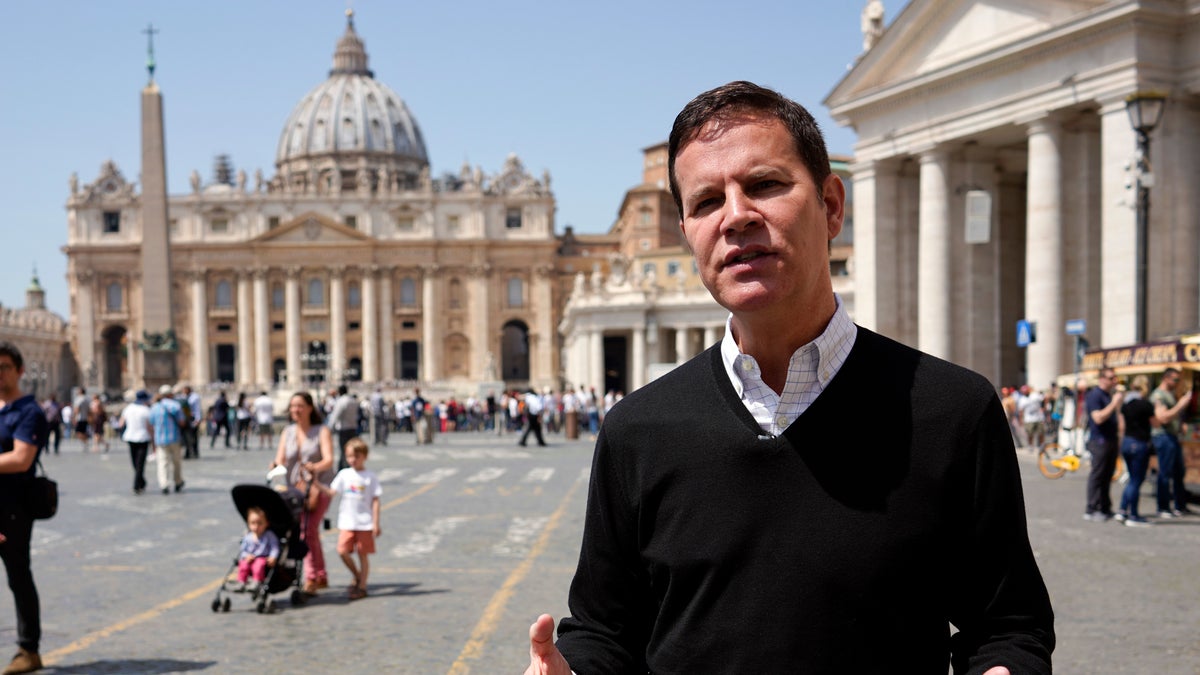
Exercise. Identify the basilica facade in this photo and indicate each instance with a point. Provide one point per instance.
(350, 263)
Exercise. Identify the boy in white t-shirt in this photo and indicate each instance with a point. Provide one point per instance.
(358, 513)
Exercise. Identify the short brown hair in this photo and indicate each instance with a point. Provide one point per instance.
(359, 446)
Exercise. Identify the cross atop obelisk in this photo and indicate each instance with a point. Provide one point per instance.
(150, 31)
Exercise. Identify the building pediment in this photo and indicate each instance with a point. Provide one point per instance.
(312, 228)
(932, 35)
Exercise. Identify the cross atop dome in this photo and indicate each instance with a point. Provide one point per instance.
(350, 57)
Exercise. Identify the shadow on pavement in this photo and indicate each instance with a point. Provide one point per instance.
(141, 666)
(375, 591)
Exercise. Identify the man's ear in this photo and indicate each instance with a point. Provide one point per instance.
(833, 195)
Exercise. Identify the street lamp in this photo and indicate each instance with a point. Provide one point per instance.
(1145, 111)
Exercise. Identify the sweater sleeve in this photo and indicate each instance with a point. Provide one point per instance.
(608, 629)
(1003, 615)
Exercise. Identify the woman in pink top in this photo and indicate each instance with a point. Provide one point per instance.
(306, 451)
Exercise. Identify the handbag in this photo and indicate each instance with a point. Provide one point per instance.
(42, 496)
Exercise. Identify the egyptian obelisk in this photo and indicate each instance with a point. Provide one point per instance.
(158, 344)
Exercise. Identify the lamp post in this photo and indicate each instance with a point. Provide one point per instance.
(1145, 111)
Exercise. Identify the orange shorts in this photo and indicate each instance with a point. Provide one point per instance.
(362, 540)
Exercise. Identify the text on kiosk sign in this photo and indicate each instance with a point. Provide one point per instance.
(1141, 355)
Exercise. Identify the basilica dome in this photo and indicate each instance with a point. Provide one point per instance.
(351, 122)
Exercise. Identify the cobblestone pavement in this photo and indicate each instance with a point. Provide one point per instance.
(480, 536)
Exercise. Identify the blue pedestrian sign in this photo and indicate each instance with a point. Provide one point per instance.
(1026, 333)
(1077, 327)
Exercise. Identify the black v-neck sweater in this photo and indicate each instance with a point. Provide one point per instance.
(888, 511)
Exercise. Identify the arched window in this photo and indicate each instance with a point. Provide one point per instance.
(516, 293)
(353, 296)
(223, 298)
(316, 293)
(112, 297)
(456, 292)
(408, 292)
(276, 296)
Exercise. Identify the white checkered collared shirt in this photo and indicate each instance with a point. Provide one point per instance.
(810, 370)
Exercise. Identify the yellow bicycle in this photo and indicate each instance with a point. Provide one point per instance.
(1054, 461)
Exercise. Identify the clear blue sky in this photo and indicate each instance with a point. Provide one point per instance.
(574, 88)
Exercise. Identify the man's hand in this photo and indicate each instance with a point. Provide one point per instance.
(544, 658)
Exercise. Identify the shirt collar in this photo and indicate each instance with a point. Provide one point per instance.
(832, 345)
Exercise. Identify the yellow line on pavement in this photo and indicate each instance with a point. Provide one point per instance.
(87, 640)
(495, 608)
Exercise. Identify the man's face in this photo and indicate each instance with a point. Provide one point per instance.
(754, 217)
(1107, 380)
(10, 376)
(1171, 382)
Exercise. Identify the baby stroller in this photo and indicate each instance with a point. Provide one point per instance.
(284, 509)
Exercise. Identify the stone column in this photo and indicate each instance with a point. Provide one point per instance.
(262, 330)
(681, 345)
(596, 360)
(1118, 227)
(431, 352)
(710, 336)
(85, 313)
(337, 322)
(201, 375)
(245, 350)
(933, 255)
(135, 370)
(370, 326)
(291, 301)
(637, 374)
(480, 319)
(541, 358)
(1044, 252)
(387, 342)
(876, 281)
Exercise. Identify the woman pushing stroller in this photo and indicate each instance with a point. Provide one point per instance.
(306, 451)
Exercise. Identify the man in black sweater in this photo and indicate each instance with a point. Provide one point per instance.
(743, 514)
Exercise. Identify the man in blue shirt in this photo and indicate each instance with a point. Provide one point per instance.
(22, 434)
(1104, 422)
(166, 416)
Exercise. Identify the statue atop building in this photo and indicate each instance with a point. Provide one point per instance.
(872, 23)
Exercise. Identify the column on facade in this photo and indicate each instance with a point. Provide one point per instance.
(1044, 251)
(480, 322)
(431, 351)
(262, 329)
(637, 370)
(370, 326)
(710, 336)
(201, 375)
(86, 311)
(876, 265)
(595, 376)
(337, 322)
(541, 358)
(135, 368)
(682, 353)
(933, 255)
(1118, 228)
(291, 301)
(245, 328)
(387, 340)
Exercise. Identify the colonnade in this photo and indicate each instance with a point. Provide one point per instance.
(1060, 245)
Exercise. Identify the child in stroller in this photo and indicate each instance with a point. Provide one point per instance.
(282, 510)
(260, 550)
